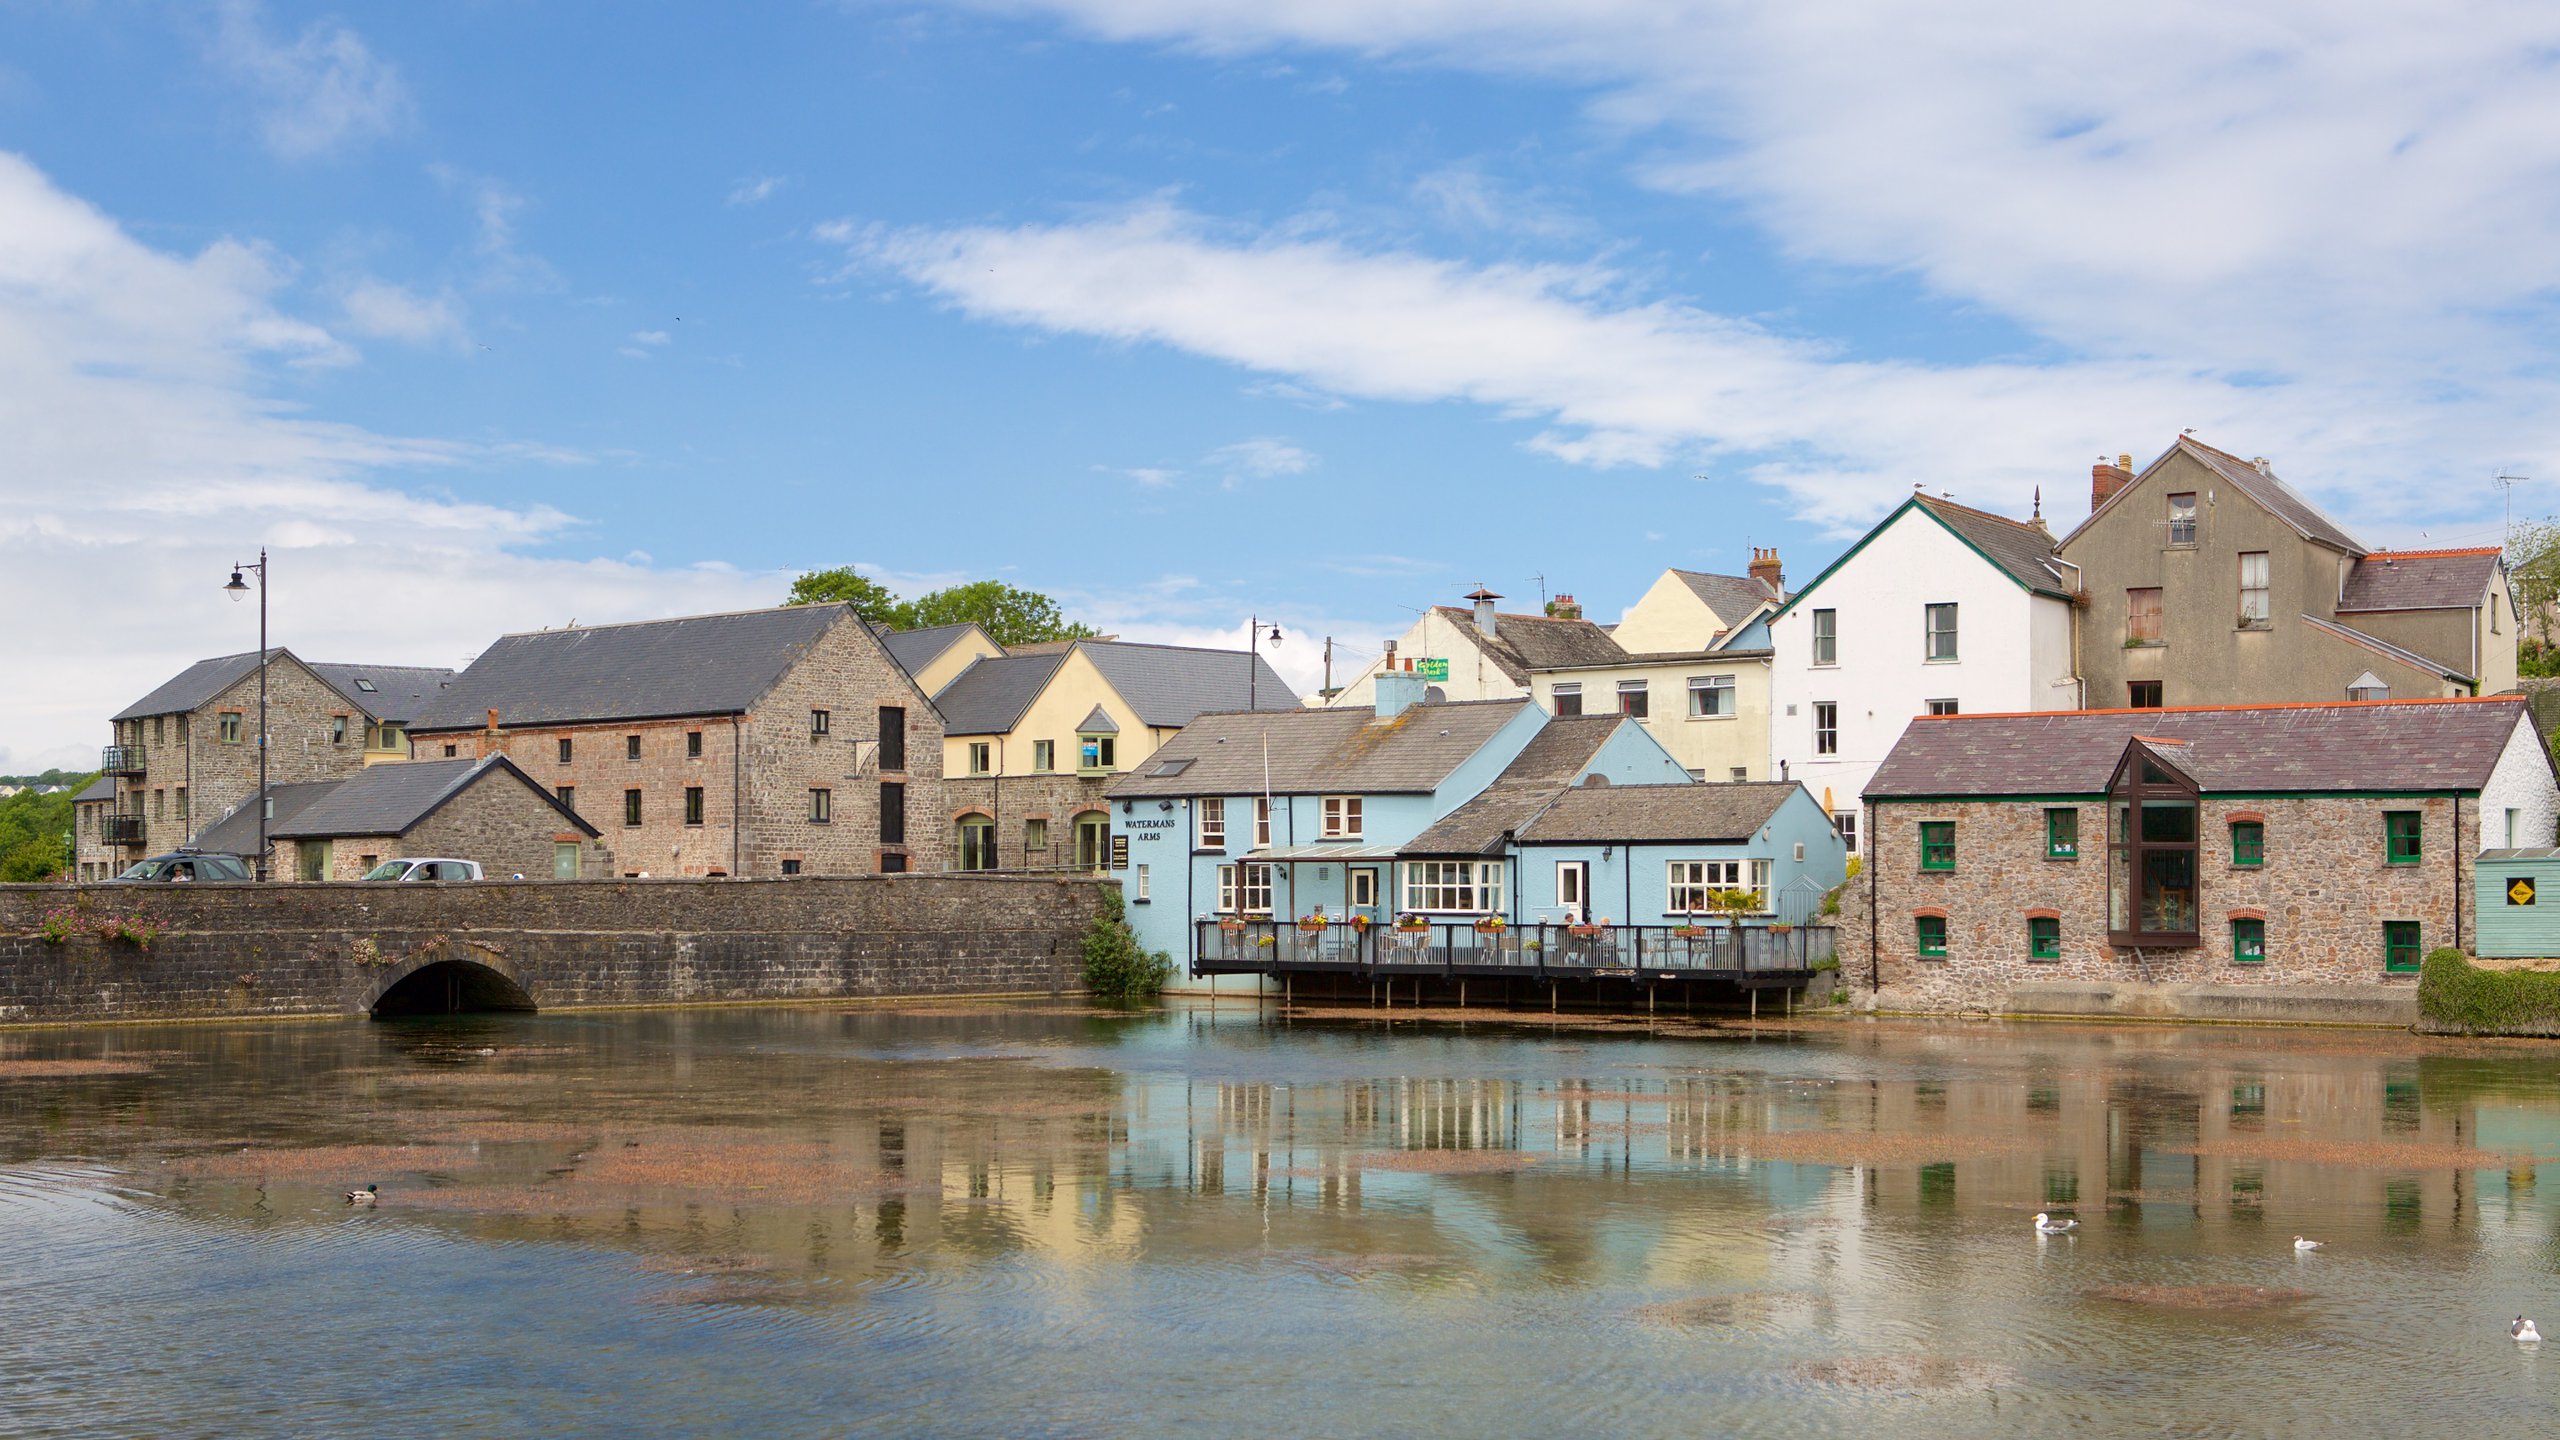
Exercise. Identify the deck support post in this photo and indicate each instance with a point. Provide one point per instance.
(1755, 1004)
(1648, 999)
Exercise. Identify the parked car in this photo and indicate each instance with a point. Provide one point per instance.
(425, 869)
(182, 866)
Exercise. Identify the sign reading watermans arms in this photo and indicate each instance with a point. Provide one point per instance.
(2520, 890)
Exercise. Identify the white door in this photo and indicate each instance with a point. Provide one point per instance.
(1573, 886)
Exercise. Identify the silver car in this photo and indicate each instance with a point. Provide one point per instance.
(425, 870)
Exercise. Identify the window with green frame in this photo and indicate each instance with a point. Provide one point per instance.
(2062, 833)
(2044, 938)
(1937, 844)
(2248, 842)
(2249, 942)
(1931, 931)
(2400, 946)
(2400, 837)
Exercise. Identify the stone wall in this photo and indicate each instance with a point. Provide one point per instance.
(193, 777)
(1013, 802)
(852, 677)
(334, 949)
(2323, 893)
(600, 770)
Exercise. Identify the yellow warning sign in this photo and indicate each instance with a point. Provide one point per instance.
(2520, 890)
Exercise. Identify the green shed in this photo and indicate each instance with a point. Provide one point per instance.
(2519, 903)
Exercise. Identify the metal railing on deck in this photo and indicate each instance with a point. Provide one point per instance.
(1595, 951)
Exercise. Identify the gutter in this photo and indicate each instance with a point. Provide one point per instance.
(1875, 840)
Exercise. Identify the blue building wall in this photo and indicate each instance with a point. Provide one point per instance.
(1754, 636)
(1631, 885)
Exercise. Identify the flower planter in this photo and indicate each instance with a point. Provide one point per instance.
(1311, 927)
(1690, 932)
(1490, 927)
(1585, 932)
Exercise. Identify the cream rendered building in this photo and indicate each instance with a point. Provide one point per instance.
(1693, 667)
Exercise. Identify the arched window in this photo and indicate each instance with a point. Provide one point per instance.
(2151, 852)
(977, 843)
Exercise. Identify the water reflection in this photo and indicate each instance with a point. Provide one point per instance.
(1009, 1221)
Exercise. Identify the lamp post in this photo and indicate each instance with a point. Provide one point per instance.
(238, 589)
(1253, 638)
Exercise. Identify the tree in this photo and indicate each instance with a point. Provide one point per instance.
(1008, 615)
(845, 585)
(2533, 566)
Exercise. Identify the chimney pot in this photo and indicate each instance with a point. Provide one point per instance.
(1765, 567)
(2105, 479)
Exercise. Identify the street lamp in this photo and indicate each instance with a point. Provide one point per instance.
(1253, 659)
(238, 589)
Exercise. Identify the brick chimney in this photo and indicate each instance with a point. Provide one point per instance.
(2106, 479)
(1765, 569)
(488, 740)
(1564, 607)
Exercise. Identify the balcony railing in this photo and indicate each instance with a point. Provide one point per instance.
(120, 829)
(121, 760)
(1454, 947)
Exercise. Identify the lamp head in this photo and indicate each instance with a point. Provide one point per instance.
(238, 587)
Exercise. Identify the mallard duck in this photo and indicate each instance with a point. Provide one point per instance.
(366, 1196)
(2524, 1332)
(2301, 1244)
(2047, 1225)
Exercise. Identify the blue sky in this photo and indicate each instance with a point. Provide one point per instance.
(492, 316)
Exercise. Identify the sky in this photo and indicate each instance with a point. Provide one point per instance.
(483, 317)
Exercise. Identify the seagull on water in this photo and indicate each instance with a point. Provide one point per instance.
(2047, 1225)
(2300, 1244)
(366, 1196)
(2524, 1332)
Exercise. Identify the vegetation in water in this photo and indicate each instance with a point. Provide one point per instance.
(2454, 992)
(1116, 967)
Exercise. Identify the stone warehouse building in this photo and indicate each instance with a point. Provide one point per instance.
(1032, 738)
(2016, 859)
(92, 858)
(762, 742)
(486, 810)
(187, 753)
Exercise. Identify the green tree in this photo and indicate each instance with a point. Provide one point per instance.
(34, 831)
(2533, 568)
(845, 585)
(1010, 616)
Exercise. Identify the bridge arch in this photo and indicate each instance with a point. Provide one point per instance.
(448, 986)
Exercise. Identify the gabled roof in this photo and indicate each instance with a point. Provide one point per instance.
(2396, 746)
(2271, 494)
(1659, 814)
(988, 698)
(236, 833)
(2420, 580)
(2386, 649)
(102, 788)
(1543, 769)
(2017, 549)
(192, 688)
(1522, 643)
(1097, 721)
(397, 694)
(650, 669)
(1170, 685)
(1342, 751)
(914, 650)
(1732, 597)
(392, 799)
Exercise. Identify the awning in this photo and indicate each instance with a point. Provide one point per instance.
(1318, 854)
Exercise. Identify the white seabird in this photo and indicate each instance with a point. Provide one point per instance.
(2047, 1225)
(2301, 1244)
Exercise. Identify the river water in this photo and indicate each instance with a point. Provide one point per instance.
(1040, 1222)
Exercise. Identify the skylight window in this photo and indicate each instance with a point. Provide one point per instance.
(364, 685)
(1171, 768)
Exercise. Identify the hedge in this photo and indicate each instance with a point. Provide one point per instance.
(2458, 995)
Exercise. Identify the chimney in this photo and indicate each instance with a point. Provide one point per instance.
(1764, 568)
(2106, 479)
(1564, 607)
(488, 744)
(1398, 691)
(1484, 608)
(2260, 461)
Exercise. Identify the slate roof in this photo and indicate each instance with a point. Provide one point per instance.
(192, 687)
(1731, 596)
(916, 649)
(102, 788)
(2279, 499)
(2388, 745)
(1543, 769)
(1345, 751)
(237, 832)
(1522, 643)
(2022, 550)
(2384, 647)
(1170, 685)
(651, 669)
(400, 693)
(2419, 580)
(1659, 814)
(989, 697)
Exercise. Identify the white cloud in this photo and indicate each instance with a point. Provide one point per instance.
(755, 189)
(322, 92)
(504, 264)
(1263, 458)
(649, 337)
(145, 457)
(391, 312)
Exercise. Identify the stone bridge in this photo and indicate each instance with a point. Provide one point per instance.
(114, 952)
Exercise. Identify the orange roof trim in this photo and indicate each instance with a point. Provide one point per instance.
(2430, 554)
(2202, 709)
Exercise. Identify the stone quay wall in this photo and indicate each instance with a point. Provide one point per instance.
(216, 951)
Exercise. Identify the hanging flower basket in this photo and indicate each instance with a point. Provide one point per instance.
(1265, 942)
(1782, 929)
(1690, 932)
(1584, 932)
(1491, 925)
(1312, 924)
(1359, 922)
(1230, 924)
(1412, 922)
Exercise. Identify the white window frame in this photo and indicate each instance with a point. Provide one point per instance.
(1932, 638)
(1717, 691)
(1826, 637)
(1138, 886)
(1341, 817)
(1687, 883)
(1453, 887)
(1826, 727)
(2182, 515)
(1845, 824)
(1356, 879)
(1945, 707)
(1256, 881)
(1261, 822)
(1562, 691)
(1573, 875)
(1640, 694)
(2253, 598)
(1210, 825)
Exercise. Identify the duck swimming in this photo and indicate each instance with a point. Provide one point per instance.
(2524, 1332)
(2047, 1225)
(2301, 1244)
(366, 1196)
